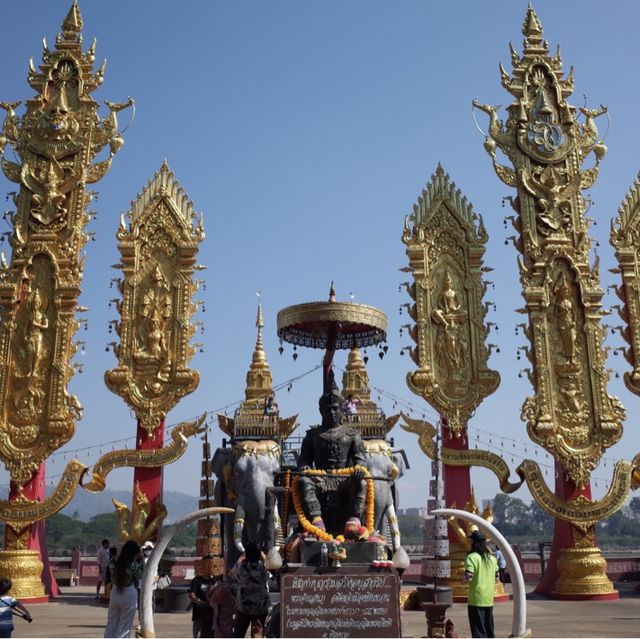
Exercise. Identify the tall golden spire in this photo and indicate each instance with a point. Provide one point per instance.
(72, 23)
(255, 418)
(355, 380)
(368, 418)
(532, 30)
(259, 380)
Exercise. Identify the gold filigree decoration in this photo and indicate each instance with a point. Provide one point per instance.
(580, 512)
(625, 238)
(21, 512)
(570, 413)
(445, 244)
(56, 139)
(133, 525)
(158, 252)
(145, 458)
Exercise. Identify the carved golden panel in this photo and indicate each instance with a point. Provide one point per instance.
(625, 238)
(158, 259)
(55, 141)
(570, 414)
(445, 245)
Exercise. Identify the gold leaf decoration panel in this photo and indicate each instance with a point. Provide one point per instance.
(56, 141)
(445, 245)
(158, 259)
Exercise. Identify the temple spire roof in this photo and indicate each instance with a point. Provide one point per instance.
(72, 24)
(259, 380)
(532, 31)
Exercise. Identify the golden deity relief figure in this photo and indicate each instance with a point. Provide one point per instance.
(453, 348)
(152, 357)
(158, 252)
(570, 414)
(445, 245)
(56, 140)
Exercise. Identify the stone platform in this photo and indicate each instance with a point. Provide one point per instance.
(358, 552)
(78, 614)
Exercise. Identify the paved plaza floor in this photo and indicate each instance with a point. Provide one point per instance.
(78, 614)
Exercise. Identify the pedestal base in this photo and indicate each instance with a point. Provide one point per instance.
(583, 576)
(24, 568)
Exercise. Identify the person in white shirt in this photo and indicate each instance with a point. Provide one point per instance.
(103, 561)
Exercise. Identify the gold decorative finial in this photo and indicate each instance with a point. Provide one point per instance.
(259, 381)
(72, 23)
(532, 29)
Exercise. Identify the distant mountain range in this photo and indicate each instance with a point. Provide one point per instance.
(88, 505)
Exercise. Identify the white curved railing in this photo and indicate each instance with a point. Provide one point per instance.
(519, 619)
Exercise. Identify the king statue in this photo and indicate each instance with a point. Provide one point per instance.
(330, 499)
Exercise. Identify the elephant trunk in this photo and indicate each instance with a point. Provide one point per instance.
(393, 527)
(238, 528)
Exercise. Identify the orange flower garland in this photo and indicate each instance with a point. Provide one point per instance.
(318, 532)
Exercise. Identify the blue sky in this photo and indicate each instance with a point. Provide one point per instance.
(304, 132)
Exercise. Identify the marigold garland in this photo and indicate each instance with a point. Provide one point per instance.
(318, 532)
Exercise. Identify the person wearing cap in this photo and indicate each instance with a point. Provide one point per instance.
(480, 569)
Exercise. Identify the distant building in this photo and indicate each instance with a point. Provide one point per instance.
(415, 512)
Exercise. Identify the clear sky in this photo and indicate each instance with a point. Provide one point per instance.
(305, 131)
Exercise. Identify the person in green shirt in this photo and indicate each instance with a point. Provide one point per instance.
(480, 569)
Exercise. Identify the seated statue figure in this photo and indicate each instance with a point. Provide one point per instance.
(329, 500)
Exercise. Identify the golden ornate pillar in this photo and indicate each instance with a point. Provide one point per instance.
(158, 242)
(445, 242)
(55, 141)
(570, 414)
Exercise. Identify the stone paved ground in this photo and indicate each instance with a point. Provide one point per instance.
(77, 614)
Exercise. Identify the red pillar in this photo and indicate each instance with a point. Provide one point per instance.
(34, 490)
(457, 479)
(150, 479)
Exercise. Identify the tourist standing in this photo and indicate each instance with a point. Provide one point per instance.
(480, 569)
(103, 561)
(253, 595)
(223, 605)
(502, 565)
(126, 572)
(201, 611)
(7, 604)
(113, 553)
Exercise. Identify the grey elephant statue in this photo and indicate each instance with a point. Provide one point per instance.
(383, 462)
(246, 471)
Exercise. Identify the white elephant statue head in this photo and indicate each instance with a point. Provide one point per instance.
(253, 466)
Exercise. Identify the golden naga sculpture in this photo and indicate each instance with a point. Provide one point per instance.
(133, 525)
(582, 512)
(445, 244)
(158, 258)
(570, 414)
(259, 415)
(150, 458)
(55, 140)
(625, 238)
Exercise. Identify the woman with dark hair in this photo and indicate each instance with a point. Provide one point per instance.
(126, 571)
(480, 569)
(253, 595)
